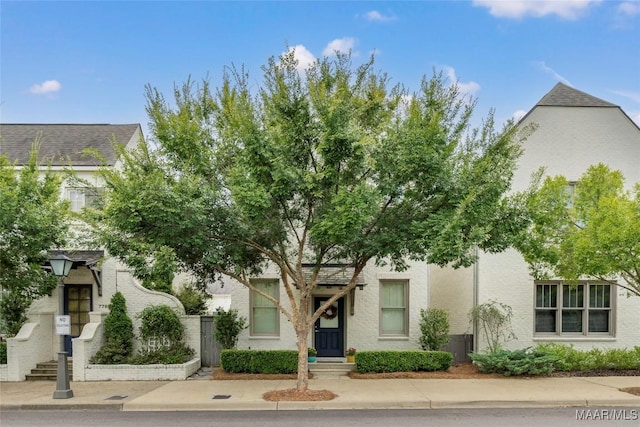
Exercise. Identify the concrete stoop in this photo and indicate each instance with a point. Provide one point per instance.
(331, 369)
(48, 371)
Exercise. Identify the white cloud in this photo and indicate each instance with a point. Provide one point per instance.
(629, 8)
(517, 9)
(518, 114)
(375, 16)
(633, 96)
(551, 71)
(303, 56)
(47, 86)
(467, 89)
(343, 45)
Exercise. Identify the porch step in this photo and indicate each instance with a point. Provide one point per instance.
(333, 369)
(48, 371)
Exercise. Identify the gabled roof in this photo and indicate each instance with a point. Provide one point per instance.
(565, 96)
(63, 144)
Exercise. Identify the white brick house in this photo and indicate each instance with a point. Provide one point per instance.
(575, 130)
(94, 277)
(382, 313)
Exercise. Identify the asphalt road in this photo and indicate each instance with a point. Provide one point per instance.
(564, 417)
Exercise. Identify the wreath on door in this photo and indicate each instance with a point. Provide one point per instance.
(330, 313)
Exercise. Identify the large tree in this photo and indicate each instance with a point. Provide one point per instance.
(331, 166)
(33, 219)
(587, 229)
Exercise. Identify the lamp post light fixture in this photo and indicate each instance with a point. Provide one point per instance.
(61, 265)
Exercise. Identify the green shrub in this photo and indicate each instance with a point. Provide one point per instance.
(227, 327)
(529, 361)
(118, 332)
(570, 359)
(161, 324)
(162, 334)
(193, 299)
(434, 325)
(403, 361)
(259, 361)
(175, 354)
(3, 352)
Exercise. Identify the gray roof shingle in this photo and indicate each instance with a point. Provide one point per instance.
(62, 144)
(565, 96)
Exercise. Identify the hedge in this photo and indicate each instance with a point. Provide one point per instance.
(260, 361)
(402, 361)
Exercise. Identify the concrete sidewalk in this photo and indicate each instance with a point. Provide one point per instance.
(211, 395)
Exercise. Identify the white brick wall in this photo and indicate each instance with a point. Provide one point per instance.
(141, 372)
(361, 329)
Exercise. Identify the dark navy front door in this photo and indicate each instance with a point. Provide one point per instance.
(329, 329)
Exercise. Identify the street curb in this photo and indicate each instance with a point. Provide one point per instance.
(116, 407)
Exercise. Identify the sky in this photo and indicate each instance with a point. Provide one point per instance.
(89, 61)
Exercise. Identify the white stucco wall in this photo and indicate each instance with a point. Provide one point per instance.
(362, 328)
(452, 290)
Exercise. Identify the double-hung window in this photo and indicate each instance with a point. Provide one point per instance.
(265, 318)
(584, 308)
(394, 304)
(83, 197)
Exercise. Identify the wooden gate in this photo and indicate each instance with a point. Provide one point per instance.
(209, 347)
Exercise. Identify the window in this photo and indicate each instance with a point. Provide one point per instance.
(573, 309)
(265, 317)
(393, 308)
(81, 197)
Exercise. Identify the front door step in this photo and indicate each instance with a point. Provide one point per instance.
(330, 369)
(48, 371)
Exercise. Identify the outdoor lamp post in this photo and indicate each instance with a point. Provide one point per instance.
(61, 265)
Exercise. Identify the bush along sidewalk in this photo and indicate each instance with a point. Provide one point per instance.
(547, 358)
(402, 361)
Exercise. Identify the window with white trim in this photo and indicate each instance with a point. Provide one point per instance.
(83, 197)
(394, 303)
(264, 315)
(583, 308)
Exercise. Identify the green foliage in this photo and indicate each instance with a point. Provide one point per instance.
(570, 359)
(118, 331)
(260, 361)
(3, 352)
(311, 351)
(193, 300)
(494, 319)
(33, 219)
(519, 362)
(161, 324)
(227, 327)
(174, 354)
(597, 236)
(403, 361)
(434, 325)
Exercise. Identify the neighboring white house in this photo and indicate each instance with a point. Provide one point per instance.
(575, 130)
(94, 277)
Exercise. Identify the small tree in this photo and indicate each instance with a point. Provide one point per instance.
(33, 219)
(228, 325)
(434, 325)
(494, 319)
(118, 331)
(596, 235)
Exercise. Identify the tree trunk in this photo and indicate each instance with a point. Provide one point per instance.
(302, 383)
